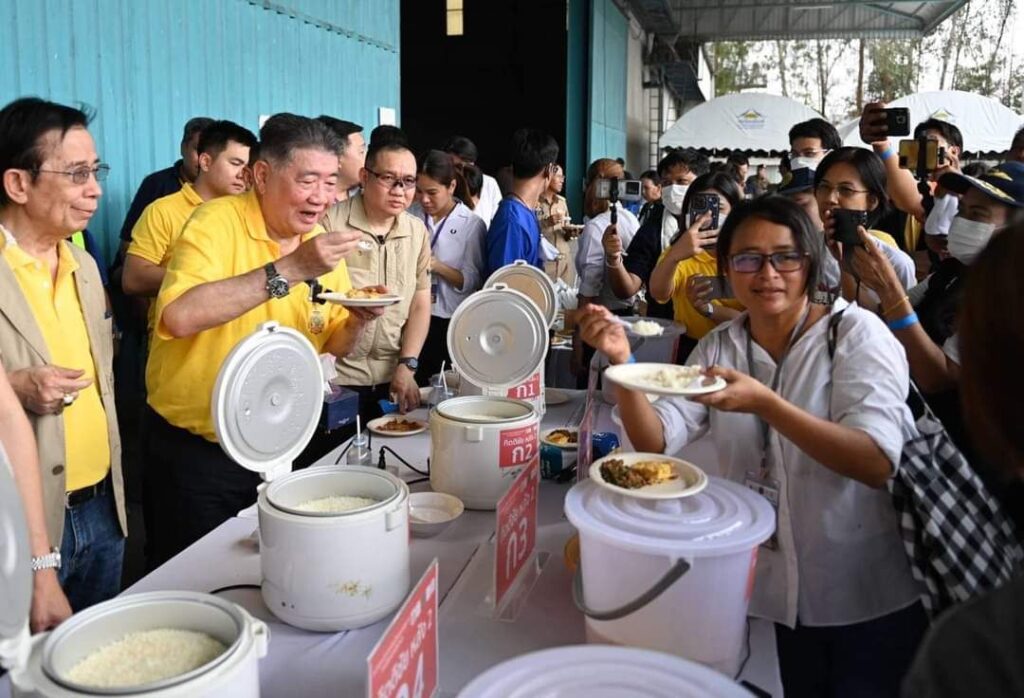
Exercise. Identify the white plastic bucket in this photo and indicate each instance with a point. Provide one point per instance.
(670, 575)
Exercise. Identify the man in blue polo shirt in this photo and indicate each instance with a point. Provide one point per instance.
(515, 232)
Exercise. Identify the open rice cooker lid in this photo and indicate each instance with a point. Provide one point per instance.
(725, 518)
(531, 282)
(497, 337)
(15, 562)
(267, 400)
(601, 671)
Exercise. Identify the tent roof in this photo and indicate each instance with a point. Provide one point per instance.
(986, 124)
(752, 122)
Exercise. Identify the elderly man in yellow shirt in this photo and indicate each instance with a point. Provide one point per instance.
(56, 341)
(240, 261)
(223, 155)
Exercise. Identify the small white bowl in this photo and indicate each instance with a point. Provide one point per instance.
(432, 512)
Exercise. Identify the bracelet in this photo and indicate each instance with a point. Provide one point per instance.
(903, 323)
(895, 305)
(887, 153)
(615, 264)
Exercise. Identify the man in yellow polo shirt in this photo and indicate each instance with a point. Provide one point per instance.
(240, 261)
(56, 340)
(223, 155)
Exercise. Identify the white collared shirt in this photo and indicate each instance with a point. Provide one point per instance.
(590, 256)
(840, 558)
(902, 264)
(490, 197)
(460, 245)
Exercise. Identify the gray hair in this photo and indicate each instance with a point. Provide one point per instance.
(284, 133)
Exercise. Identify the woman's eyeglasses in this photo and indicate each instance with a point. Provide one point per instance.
(753, 262)
(845, 191)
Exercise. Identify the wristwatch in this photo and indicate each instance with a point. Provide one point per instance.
(277, 285)
(50, 561)
(410, 362)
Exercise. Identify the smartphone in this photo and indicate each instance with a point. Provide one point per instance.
(846, 225)
(703, 203)
(922, 155)
(897, 121)
(720, 288)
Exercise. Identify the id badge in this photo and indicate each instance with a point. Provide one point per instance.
(768, 488)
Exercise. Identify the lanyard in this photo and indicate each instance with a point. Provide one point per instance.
(440, 226)
(776, 378)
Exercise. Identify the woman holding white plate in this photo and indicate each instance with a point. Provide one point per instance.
(818, 435)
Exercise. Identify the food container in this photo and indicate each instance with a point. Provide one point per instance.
(498, 341)
(39, 665)
(321, 571)
(601, 671)
(478, 445)
(671, 575)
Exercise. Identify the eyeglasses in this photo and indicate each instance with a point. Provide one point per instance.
(81, 175)
(391, 181)
(809, 153)
(845, 191)
(753, 262)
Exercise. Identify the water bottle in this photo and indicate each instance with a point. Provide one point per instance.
(359, 449)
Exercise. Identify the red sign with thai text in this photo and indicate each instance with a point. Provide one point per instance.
(516, 529)
(404, 662)
(517, 446)
(526, 391)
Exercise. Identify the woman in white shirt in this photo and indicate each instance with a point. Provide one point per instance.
(456, 245)
(821, 442)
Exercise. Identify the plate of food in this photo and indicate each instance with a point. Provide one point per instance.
(644, 328)
(392, 425)
(664, 379)
(554, 396)
(648, 475)
(361, 298)
(561, 438)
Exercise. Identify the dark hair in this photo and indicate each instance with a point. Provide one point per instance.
(948, 131)
(869, 168)
(738, 159)
(784, 164)
(651, 175)
(694, 161)
(532, 150)
(474, 177)
(23, 123)
(1018, 139)
(817, 128)
(723, 182)
(626, 174)
(975, 169)
(781, 211)
(990, 348)
(463, 148)
(440, 167)
(387, 135)
(193, 126)
(284, 133)
(215, 137)
(342, 129)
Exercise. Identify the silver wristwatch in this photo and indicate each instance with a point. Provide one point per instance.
(50, 561)
(277, 286)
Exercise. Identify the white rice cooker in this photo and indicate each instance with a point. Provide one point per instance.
(479, 444)
(671, 575)
(600, 671)
(321, 571)
(38, 665)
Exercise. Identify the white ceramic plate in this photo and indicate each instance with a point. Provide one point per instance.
(633, 377)
(565, 447)
(432, 512)
(554, 396)
(375, 425)
(342, 299)
(690, 480)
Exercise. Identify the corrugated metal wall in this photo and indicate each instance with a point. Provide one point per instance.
(608, 60)
(147, 66)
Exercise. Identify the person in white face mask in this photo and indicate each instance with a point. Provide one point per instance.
(628, 273)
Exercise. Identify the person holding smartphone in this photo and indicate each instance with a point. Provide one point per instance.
(687, 272)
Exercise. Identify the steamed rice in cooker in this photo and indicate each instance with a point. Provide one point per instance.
(145, 657)
(335, 504)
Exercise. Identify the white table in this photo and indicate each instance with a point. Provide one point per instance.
(334, 664)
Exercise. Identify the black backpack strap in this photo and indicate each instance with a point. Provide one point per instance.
(833, 332)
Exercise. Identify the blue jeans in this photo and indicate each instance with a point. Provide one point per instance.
(91, 552)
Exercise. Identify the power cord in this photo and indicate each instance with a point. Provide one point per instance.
(382, 462)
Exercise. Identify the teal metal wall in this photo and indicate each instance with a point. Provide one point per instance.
(609, 34)
(147, 66)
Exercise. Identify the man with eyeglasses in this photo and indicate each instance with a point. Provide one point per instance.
(56, 343)
(393, 251)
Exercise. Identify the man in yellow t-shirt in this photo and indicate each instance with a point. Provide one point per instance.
(56, 343)
(240, 261)
(223, 155)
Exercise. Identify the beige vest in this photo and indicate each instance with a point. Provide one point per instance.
(22, 346)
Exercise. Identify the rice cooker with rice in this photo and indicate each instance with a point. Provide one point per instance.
(196, 645)
(334, 541)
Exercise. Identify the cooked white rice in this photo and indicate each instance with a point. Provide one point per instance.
(647, 328)
(145, 657)
(336, 504)
(678, 378)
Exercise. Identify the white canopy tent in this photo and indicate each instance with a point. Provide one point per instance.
(751, 122)
(986, 124)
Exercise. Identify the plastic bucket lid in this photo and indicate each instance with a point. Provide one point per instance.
(601, 671)
(15, 570)
(723, 519)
